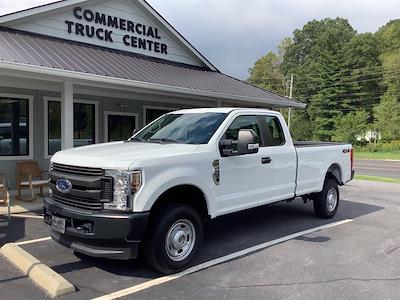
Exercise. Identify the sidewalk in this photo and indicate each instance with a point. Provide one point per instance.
(18, 206)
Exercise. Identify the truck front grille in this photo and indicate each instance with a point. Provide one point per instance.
(90, 188)
(78, 170)
(77, 202)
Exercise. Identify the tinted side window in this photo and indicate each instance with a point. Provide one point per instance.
(274, 131)
(243, 122)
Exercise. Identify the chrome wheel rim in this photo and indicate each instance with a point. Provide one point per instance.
(331, 199)
(180, 240)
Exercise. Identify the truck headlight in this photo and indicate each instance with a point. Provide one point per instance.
(125, 185)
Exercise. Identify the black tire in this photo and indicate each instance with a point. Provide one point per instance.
(323, 205)
(165, 219)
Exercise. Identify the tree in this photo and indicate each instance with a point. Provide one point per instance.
(351, 126)
(387, 116)
(266, 73)
(332, 65)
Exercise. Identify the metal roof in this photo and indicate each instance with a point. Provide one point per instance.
(33, 50)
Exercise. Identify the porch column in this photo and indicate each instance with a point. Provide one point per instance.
(67, 115)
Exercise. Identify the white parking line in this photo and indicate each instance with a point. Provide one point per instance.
(213, 262)
(33, 241)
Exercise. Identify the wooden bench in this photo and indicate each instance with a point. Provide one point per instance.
(29, 176)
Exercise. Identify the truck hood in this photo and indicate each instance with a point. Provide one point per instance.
(118, 155)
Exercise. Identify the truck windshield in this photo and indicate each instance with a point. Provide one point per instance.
(191, 128)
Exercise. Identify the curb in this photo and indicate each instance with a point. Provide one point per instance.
(19, 209)
(53, 283)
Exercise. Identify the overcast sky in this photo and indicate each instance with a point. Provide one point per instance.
(233, 34)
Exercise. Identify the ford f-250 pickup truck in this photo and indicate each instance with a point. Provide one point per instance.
(153, 191)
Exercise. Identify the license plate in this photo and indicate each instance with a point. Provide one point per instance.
(58, 224)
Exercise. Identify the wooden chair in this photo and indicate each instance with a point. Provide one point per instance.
(29, 176)
(3, 189)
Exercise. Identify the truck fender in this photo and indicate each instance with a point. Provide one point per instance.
(165, 181)
(336, 172)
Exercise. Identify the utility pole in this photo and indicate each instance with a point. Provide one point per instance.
(290, 96)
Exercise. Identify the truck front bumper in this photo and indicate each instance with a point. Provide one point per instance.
(98, 234)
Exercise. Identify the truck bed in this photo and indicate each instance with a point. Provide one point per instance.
(313, 161)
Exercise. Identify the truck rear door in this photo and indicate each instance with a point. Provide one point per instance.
(279, 158)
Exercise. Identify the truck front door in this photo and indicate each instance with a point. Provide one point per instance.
(244, 180)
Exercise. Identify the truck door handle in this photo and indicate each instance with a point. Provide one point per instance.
(266, 160)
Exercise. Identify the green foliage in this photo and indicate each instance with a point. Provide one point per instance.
(350, 126)
(393, 147)
(300, 126)
(267, 74)
(350, 81)
(387, 116)
(329, 62)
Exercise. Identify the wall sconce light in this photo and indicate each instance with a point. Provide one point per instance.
(123, 105)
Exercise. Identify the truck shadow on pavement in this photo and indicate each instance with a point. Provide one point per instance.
(239, 231)
(11, 230)
(232, 233)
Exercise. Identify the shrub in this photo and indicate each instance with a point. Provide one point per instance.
(380, 147)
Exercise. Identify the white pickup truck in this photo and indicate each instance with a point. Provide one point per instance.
(151, 193)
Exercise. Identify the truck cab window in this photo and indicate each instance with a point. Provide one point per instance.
(243, 122)
(275, 136)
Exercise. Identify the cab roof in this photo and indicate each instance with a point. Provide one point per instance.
(226, 110)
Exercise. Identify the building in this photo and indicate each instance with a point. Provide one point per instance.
(80, 72)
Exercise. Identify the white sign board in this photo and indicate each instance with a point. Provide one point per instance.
(118, 24)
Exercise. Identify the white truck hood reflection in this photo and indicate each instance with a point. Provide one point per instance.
(119, 155)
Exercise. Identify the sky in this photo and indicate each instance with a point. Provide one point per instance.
(233, 34)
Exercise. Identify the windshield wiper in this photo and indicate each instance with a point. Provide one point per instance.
(164, 140)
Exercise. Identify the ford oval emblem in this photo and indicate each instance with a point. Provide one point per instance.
(63, 185)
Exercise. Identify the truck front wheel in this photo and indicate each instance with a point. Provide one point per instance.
(326, 202)
(174, 238)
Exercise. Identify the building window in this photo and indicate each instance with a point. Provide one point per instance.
(154, 113)
(84, 125)
(14, 127)
(120, 126)
(54, 127)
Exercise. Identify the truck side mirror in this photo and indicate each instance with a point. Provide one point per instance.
(246, 144)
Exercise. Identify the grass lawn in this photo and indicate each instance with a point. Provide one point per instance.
(376, 155)
(377, 178)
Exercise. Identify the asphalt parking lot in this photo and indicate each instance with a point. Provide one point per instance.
(355, 260)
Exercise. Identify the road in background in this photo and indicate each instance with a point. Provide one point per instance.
(383, 168)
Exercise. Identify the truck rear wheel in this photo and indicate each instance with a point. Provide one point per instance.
(174, 238)
(326, 202)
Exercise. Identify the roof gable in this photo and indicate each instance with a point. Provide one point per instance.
(128, 25)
